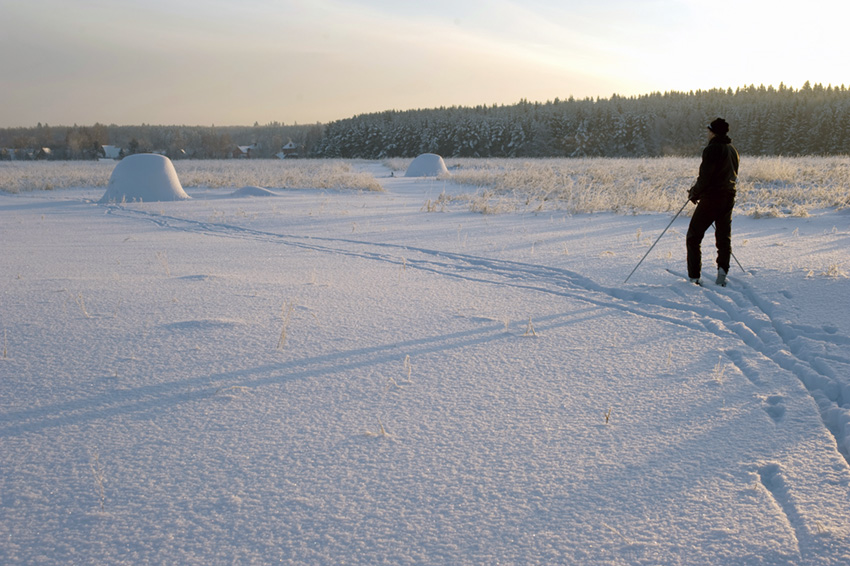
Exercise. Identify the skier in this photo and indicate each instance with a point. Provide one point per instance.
(714, 195)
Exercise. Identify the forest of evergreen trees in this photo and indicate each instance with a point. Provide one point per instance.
(811, 120)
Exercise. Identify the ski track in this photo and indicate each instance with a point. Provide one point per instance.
(737, 311)
(773, 480)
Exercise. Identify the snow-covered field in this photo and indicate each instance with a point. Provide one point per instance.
(347, 377)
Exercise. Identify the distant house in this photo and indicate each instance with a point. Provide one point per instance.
(289, 150)
(44, 153)
(244, 151)
(111, 152)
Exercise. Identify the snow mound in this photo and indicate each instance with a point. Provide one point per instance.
(145, 177)
(252, 192)
(427, 165)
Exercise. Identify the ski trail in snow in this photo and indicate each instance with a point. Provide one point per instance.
(737, 311)
(760, 322)
(773, 480)
(103, 405)
(479, 269)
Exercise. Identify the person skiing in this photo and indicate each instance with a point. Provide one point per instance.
(714, 195)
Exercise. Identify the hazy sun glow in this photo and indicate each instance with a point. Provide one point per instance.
(229, 62)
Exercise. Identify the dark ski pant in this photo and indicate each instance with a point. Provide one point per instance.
(717, 209)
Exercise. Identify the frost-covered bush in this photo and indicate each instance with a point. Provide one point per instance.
(276, 174)
(789, 185)
(581, 185)
(794, 185)
(19, 176)
(768, 186)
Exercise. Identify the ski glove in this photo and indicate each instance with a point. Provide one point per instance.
(692, 196)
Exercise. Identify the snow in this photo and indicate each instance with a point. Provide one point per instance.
(334, 377)
(146, 177)
(427, 165)
(252, 191)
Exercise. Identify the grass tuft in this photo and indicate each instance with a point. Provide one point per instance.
(529, 331)
(381, 433)
(81, 303)
(286, 315)
(835, 271)
(719, 371)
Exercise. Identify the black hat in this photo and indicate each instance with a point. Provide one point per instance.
(719, 127)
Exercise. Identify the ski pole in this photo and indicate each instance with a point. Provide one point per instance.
(656, 241)
(738, 262)
(730, 252)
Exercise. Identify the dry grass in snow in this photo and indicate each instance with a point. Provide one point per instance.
(21, 176)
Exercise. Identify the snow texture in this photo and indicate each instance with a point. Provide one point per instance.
(252, 191)
(345, 378)
(427, 165)
(145, 177)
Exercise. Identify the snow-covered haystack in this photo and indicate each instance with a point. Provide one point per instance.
(252, 191)
(427, 165)
(145, 177)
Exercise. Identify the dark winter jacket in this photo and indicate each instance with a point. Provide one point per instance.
(718, 172)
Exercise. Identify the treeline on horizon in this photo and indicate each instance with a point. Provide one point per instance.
(811, 120)
(177, 142)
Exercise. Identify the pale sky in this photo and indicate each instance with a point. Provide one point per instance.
(236, 62)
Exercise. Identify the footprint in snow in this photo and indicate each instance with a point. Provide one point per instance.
(775, 407)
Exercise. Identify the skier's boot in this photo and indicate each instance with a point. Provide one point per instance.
(695, 280)
(721, 277)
